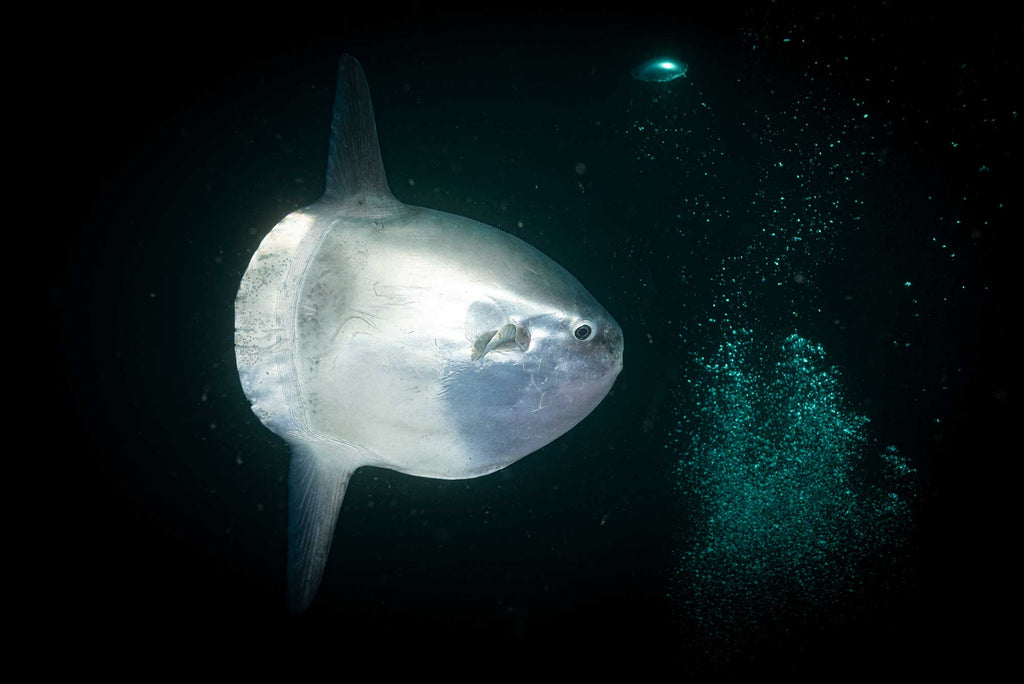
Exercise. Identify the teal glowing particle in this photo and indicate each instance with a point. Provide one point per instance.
(659, 70)
(785, 514)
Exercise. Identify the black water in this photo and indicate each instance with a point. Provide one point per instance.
(805, 171)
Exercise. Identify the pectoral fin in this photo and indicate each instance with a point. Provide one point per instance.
(509, 336)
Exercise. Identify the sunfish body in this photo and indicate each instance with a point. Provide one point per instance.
(373, 333)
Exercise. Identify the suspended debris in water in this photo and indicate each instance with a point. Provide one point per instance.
(787, 515)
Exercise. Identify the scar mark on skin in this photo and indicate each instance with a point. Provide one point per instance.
(397, 295)
(341, 325)
(540, 404)
(533, 382)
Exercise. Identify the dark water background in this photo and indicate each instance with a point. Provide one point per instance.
(199, 139)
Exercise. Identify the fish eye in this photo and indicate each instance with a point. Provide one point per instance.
(583, 331)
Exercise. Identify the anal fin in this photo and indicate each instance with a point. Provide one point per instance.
(317, 478)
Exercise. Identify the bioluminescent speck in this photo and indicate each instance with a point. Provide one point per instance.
(659, 70)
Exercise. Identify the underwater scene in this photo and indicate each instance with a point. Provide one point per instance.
(798, 218)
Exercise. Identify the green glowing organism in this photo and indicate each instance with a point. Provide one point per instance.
(659, 70)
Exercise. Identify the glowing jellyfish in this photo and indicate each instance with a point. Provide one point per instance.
(659, 70)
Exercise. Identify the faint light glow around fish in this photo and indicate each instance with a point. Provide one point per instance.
(659, 70)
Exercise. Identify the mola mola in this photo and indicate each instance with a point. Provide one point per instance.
(369, 332)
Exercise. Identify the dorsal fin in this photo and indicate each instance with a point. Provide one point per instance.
(355, 172)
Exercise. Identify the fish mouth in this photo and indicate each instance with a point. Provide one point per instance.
(615, 345)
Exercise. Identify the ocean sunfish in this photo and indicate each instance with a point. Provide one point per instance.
(369, 332)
